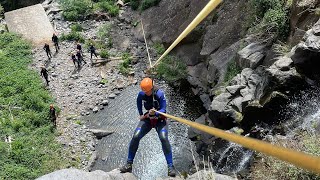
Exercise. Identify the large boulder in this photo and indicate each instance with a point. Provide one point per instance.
(219, 61)
(284, 75)
(189, 54)
(228, 107)
(171, 19)
(76, 174)
(100, 133)
(227, 28)
(199, 74)
(252, 55)
(301, 19)
(256, 94)
(306, 54)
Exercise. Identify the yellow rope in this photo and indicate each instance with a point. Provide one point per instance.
(299, 159)
(203, 14)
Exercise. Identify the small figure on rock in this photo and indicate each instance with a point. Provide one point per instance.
(79, 47)
(92, 50)
(47, 49)
(80, 57)
(53, 115)
(44, 74)
(55, 41)
(75, 61)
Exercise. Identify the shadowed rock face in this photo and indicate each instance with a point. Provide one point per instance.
(307, 53)
(10, 5)
(31, 22)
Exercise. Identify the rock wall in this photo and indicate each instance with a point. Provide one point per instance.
(207, 49)
(219, 40)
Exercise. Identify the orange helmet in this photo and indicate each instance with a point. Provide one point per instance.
(146, 84)
(51, 106)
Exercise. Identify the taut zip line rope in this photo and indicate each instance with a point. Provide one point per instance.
(300, 159)
(203, 14)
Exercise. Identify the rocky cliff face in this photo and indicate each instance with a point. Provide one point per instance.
(258, 90)
(209, 48)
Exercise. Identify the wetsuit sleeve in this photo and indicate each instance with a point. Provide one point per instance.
(139, 103)
(162, 102)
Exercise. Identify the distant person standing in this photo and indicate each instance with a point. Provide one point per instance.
(44, 74)
(55, 40)
(79, 47)
(47, 49)
(75, 61)
(80, 57)
(92, 50)
(53, 115)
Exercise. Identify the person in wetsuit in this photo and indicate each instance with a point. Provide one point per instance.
(154, 99)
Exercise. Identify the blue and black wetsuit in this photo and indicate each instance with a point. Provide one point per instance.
(145, 125)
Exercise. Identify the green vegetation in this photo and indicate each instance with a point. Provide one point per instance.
(172, 69)
(124, 67)
(142, 4)
(75, 10)
(232, 70)
(107, 6)
(76, 28)
(104, 31)
(159, 48)
(281, 48)
(270, 16)
(145, 4)
(78, 122)
(317, 11)
(104, 40)
(275, 169)
(104, 54)
(24, 116)
(1, 10)
(73, 36)
(103, 81)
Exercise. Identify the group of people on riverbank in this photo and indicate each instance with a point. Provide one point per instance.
(150, 96)
(77, 57)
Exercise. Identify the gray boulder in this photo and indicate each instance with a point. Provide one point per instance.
(284, 75)
(228, 108)
(227, 28)
(209, 174)
(100, 133)
(306, 54)
(219, 61)
(75, 174)
(252, 55)
(198, 73)
(171, 19)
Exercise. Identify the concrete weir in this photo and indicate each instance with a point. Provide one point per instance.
(31, 22)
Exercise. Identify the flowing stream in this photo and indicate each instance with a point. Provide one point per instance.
(121, 116)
